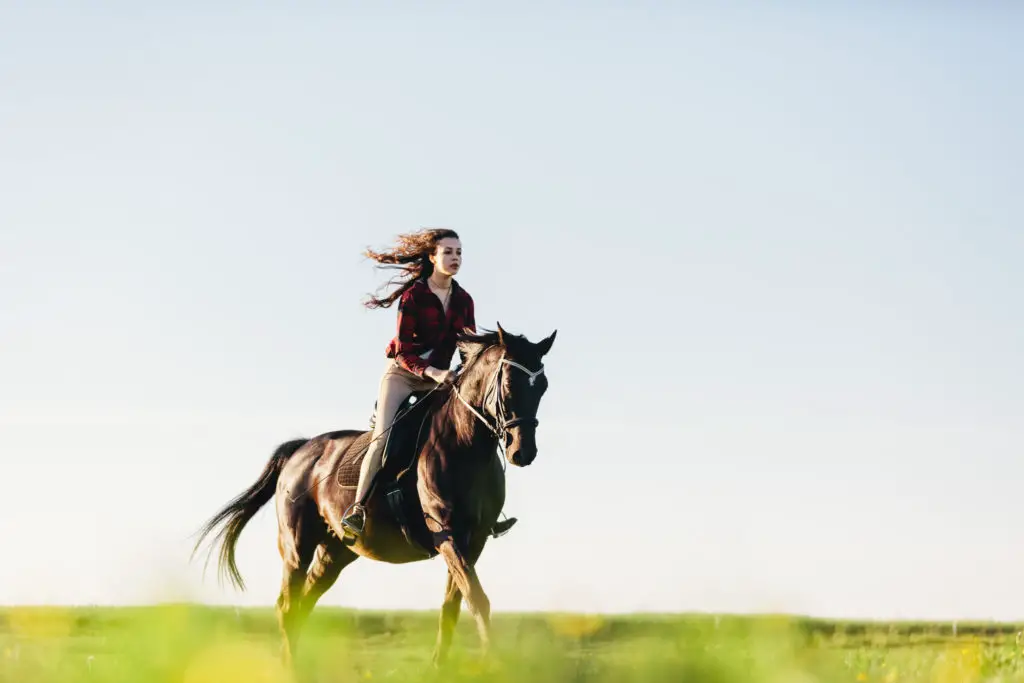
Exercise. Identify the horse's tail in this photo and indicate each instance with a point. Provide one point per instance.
(244, 507)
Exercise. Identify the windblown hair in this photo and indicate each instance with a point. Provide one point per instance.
(412, 257)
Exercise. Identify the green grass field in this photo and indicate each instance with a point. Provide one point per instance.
(194, 644)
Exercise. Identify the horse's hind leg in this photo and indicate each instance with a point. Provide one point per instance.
(300, 533)
(309, 573)
(331, 557)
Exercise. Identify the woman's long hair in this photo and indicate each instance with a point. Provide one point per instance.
(412, 257)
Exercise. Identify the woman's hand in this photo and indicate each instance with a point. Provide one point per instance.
(440, 376)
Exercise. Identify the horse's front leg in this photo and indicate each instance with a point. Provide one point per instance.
(449, 618)
(462, 573)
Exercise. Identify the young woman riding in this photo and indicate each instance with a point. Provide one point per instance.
(432, 309)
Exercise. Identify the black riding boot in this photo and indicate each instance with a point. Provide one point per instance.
(501, 528)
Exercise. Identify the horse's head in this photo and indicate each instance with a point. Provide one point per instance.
(511, 379)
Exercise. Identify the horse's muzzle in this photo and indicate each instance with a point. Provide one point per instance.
(521, 445)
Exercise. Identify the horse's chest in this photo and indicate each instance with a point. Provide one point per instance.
(467, 496)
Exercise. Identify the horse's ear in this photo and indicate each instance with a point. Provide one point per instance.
(544, 345)
(501, 335)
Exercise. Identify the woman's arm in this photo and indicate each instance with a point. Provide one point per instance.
(405, 353)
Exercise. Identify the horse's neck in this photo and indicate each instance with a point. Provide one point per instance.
(461, 459)
(478, 377)
(467, 425)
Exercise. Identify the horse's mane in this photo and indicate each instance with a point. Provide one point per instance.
(474, 344)
(485, 337)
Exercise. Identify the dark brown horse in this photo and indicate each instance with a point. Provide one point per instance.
(454, 487)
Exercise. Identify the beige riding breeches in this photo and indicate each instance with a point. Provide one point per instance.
(396, 385)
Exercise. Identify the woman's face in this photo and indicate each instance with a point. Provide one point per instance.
(447, 256)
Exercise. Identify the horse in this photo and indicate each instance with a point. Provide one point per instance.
(453, 481)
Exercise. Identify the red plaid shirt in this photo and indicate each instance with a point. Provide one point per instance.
(423, 326)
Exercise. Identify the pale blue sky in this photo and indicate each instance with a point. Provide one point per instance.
(782, 247)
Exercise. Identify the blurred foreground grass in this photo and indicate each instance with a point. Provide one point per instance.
(195, 644)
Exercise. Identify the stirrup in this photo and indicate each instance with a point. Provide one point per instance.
(348, 524)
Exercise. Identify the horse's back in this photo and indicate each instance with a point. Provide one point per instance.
(316, 460)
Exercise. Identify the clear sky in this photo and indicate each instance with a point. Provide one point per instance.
(783, 249)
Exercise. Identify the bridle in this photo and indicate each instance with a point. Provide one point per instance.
(494, 397)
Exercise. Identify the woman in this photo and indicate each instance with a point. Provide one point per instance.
(432, 309)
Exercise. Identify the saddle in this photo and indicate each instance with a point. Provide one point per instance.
(400, 444)
(397, 475)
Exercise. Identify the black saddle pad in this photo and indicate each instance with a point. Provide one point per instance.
(400, 444)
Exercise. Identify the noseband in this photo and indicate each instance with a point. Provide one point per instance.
(494, 397)
(499, 408)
